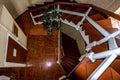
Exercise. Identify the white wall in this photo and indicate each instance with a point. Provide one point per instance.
(115, 7)
(32, 2)
(3, 43)
(15, 7)
(7, 21)
(6, 26)
(111, 5)
(20, 6)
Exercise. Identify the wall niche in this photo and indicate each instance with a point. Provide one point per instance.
(15, 30)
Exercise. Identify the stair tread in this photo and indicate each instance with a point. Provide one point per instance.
(76, 19)
(111, 75)
(106, 24)
(116, 75)
(75, 9)
(84, 70)
(92, 32)
(101, 48)
(116, 65)
(96, 17)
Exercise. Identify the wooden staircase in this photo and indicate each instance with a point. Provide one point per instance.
(85, 68)
(71, 53)
(70, 59)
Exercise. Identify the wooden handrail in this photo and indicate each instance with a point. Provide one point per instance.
(63, 3)
(83, 6)
(106, 12)
(49, 5)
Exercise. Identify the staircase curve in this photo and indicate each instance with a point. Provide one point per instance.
(101, 58)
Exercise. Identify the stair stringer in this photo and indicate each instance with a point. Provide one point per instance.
(73, 33)
(77, 27)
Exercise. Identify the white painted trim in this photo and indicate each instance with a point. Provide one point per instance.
(71, 12)
(94, 43)
(85, 37)
(101, 55)
(17, 41)
(59, 46)
(38, 23)
(108, 37)
(62, 77)
(59, 54)
(11, 64)
(6, 48)
(38, 16)
(68, 23)
(102, 67)
(33, 19)
(3, 77)
(106, 54)
(112, 43)
(90, 45)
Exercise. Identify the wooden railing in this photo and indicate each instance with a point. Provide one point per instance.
(82, 6)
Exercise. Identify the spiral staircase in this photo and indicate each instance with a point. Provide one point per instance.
(83, 18)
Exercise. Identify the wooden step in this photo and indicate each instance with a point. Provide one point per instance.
(76, 19)
(110, 74)
(115, 74)
(116, 65)
(107, 25)
(104, 23)
(96, 17)
(92, 12)
(100, 48)
(85, 69)
(70, 17)
(94, 35)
